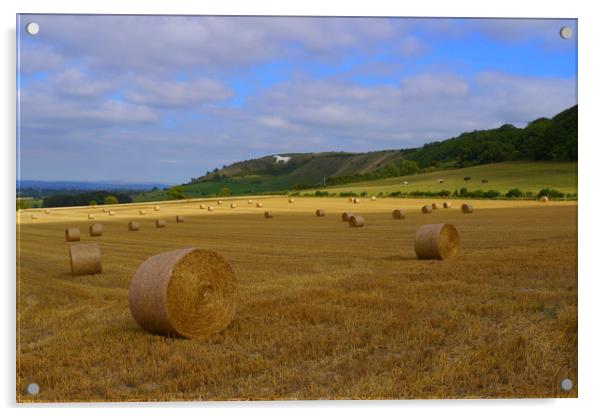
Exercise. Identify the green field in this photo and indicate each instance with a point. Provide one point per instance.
(527, 176)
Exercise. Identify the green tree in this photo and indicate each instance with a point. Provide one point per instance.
(225, 191)
(109, 200)
(92, 202)
(175, 192)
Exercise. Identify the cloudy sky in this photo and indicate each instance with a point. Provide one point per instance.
(149, 98)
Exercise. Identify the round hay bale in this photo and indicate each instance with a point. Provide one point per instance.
(268, 214)
(179, 218)
(209, 208)
(291, 200)
(436, 241)
(466, 209)
(345, 216)
(356, 201)
(543, 199)
(133, 226)
(47, 211)
(259, 205)
(34, 217)
(189, 293)
(160, 223)
(156, 208)
(219, 202)
(105, 210)
(142, 212)
(356, 221)
(427, 209)
(111, 213)
(85, 259)
(398, 214)
(232, 205)
(447, 205)
(320, 212)
(250, 201)
(434, 205)
(90, 216)
(72, 234)
(202, 206)
(95, 230)
(373, 198)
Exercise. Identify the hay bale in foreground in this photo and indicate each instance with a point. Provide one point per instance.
(356, 221)
(179, 218)
(434, 205)
(156, 208)
(466, 209)
(373, 198)
(133, 226)
(85, 259)
(91, 216)
(447, 205)
(345, 216)
(427, 209)
(398, 214)
(320, 212)
(543, 199)
(111, 213)
(268, 214)
(210, 209)
(259, 205)
(189, 293)
(232, 205)
(95, 230)
(142, 212)
(436, 241)
(202, 206)
(160, 223)
(72, 234)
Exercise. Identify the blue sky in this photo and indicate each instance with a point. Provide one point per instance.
(155, 98)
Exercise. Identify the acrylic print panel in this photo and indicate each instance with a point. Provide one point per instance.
(278, 208)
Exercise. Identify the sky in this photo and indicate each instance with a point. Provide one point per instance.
(167, 98)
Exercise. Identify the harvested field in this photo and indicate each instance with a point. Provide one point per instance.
(324, 310)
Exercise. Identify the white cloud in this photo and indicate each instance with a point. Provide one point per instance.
(163, 93)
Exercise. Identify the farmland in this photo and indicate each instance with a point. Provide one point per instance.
(325, 312)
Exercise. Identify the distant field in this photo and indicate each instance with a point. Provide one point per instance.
(527, 176)
(326, 311)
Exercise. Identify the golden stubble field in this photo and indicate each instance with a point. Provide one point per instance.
(326, 311)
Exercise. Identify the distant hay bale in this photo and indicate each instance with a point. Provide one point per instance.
(133, 226)
(268, 214)
(34, 217)
(345, 216)
(179, 218)
(160, 223)
(398, 214)
(219, 202)
(72, 234)
(250, 201)
(209, 208)
(447, 205)
(259, 205)
(47, 211)
(543, 199)
(111, 213)
(436, 241)
(291, 200)
(189, 293)
(202, 206)
(156, 208)
(356, 221)
(142, 212)
(104, 210)
(320, 212)
(85, 259)
(95, 230)
(356, 201)
(232, 205)
(427, 209)
(90, 216)
(434, 205)
(373, 198)
(466, 209)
